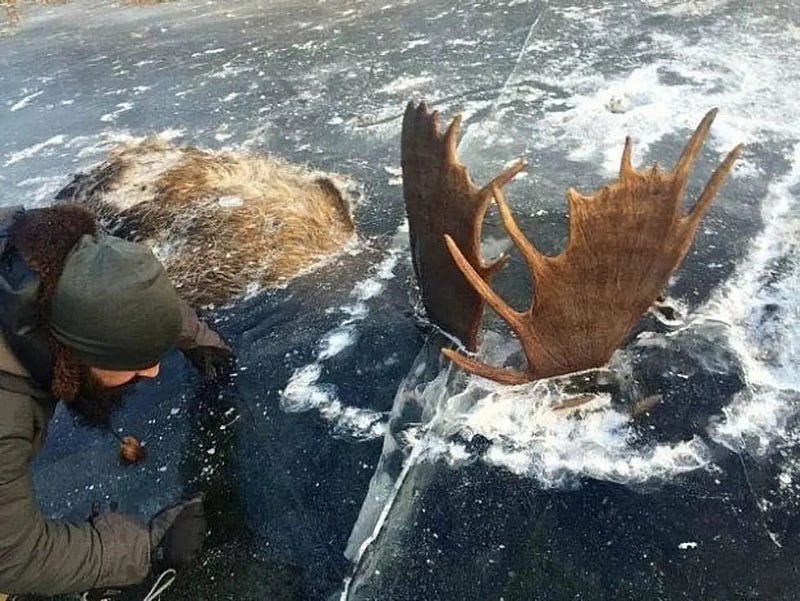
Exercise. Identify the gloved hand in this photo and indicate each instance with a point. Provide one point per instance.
(177, 535)
(214, 362)
(203, 346)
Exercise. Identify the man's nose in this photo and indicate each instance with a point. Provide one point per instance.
(150, 372)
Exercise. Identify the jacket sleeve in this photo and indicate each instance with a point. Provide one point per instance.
(196, 334)
(49, 557)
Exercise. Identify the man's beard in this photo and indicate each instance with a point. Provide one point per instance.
(95, 403)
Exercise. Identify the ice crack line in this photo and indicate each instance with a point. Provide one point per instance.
(517, 63)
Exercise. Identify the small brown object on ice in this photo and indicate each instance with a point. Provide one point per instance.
(131, 451)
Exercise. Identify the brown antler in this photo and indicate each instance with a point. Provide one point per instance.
(441, 199)
(624, 244)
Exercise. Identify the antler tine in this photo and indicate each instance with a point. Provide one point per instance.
(712, 187)
(535, 260)
(413, 113)
(488, 191)
(686, 161)
(418, 115)
(481, 287)
(451, 140)
(626, 166)
(484, 370)
(507, 175)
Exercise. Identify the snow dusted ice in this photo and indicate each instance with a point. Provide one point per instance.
(348, 454)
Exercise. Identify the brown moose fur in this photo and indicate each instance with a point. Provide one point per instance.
(10, 9)
(219, 222)
(10, 12)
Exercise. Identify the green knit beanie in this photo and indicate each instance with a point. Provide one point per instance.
(114, 305)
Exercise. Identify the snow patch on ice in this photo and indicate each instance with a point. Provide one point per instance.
(41, 190)
(405, 83)
(762, 306)
(25, 101)
(587, 114)
(679, 8)
(335, 341)
(304, 392)
(229, 69)
(415, 44)
(31, 151)
(460, 42)
(397, 176)
(122, 107)
(208, 52)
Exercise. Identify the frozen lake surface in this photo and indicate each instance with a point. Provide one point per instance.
(343, 460)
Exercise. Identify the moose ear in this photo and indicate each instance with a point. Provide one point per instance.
(625, 242)
(441, 200)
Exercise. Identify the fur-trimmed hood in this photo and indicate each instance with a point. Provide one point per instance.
(9, 362)
(33, 246)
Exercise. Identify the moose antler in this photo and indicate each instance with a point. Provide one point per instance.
(441, 199)
(624, 244)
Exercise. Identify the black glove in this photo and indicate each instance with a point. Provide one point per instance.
(212, 361)
(177, 535)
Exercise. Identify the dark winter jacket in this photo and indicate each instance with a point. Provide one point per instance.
(38, 555)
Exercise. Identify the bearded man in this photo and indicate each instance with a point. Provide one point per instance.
(82, 316)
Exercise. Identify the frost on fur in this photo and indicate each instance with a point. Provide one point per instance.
(219, 221)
